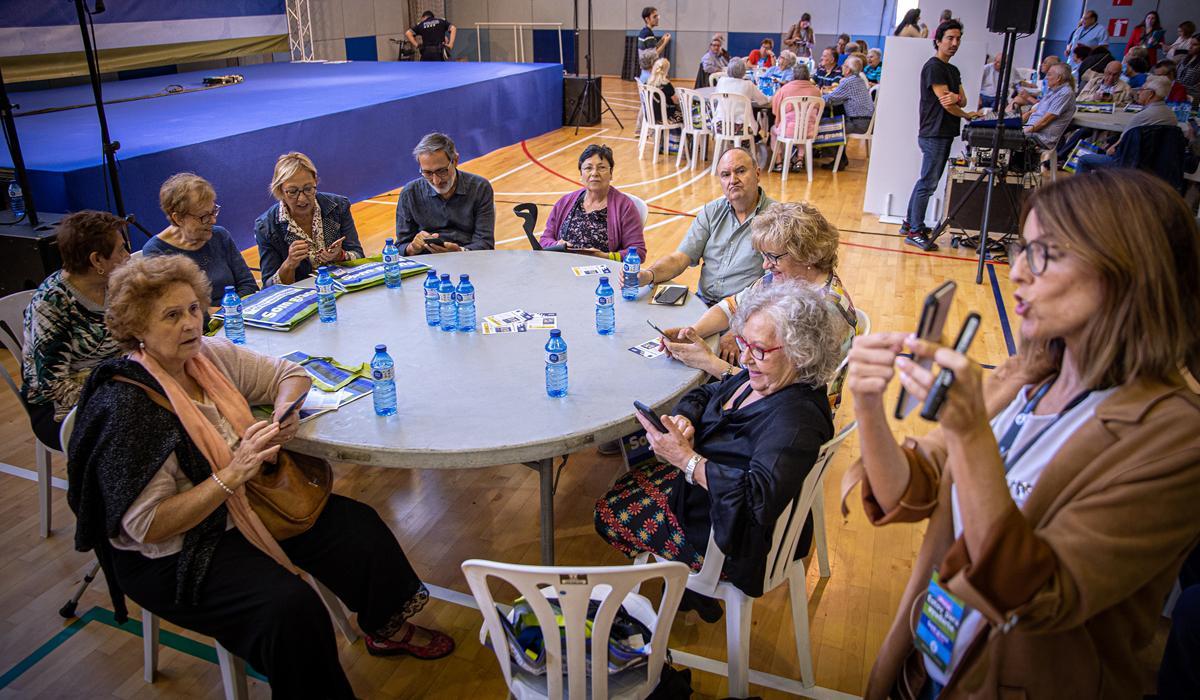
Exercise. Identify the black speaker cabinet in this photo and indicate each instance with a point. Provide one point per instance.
(28, 255)
(1006, 201)
(1018, 15)
(589, 113)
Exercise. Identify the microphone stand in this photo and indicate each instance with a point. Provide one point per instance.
(9, 124)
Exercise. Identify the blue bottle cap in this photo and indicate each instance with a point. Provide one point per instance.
(389, 241)
(381, 348)
(229, 288)
(446, 276)
(322, 269)
(603, 280)
(555, 333)
(432, 273)
(464, 278)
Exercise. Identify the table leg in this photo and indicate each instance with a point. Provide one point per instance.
(545, 468)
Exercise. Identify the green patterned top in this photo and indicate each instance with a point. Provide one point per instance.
(65, 337)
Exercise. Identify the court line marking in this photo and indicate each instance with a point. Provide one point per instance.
(1008, 336)
(668, 176)
(522, 166)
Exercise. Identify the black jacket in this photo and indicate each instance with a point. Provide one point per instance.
(273, 239)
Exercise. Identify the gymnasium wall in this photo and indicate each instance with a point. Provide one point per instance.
(357, 29)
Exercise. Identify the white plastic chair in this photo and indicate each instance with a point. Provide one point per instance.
(781, 568)
(1051, 154)
(643, 210)
(866, 138)
(802, 109)
(690, 102)
(734, 115)
(1025, 74)
(574, 587)
(12, 338)
(649, 95)
(714, 77)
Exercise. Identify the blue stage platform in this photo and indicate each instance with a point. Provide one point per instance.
(358, 122)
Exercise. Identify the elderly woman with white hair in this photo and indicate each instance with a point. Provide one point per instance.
(305, 228)
(781, 72)
(736, 452)
(874, 68)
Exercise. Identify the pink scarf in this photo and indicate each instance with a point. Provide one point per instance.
(233, 406)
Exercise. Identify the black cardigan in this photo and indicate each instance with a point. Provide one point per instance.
(120, 440)
(758, 457)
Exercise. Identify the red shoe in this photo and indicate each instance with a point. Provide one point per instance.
(439, 645)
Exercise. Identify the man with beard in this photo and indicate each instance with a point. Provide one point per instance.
(445, 209)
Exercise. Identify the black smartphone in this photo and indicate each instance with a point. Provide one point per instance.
(933, 320)
(670, 294)
(945, 378)
(660, 331)
(650, 416)
(293, 408)
(435, 241)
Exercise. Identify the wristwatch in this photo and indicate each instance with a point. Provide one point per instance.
(689, 470)
(729, 372)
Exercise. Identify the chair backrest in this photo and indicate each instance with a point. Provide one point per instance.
(730, 109)
(528, 213)
(12, 331)
(790, 524)
(694, 109)
(574, 587)
(863, 327)
(802, 111)
(64, 431)
(712, 79)
(643, 210)
(871, 126)
(649, 95)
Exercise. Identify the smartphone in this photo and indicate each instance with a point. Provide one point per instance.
(945, 378)
(559, 247)
(933, 320)
(660, 331)
(670, 294)
(650, 416)
(293, 408)
(435, 241)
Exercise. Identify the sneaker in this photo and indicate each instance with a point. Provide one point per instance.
(920, 239)
(438, 646)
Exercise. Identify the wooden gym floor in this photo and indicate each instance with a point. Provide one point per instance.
(444, 517)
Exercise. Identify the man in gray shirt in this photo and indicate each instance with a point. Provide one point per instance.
(446, 208)
(1047, 121)
(720, 235)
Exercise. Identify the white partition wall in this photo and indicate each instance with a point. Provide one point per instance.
(895, 158)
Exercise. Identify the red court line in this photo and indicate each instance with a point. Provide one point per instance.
(573, 181)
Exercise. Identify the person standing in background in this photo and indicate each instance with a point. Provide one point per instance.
(433, 30)
(1088, 33)
(1148, 35)
(912, 26)
(800, 37)
(647, 39)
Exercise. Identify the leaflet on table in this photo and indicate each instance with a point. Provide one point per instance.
(588, 270)
(353, 277)
(650, 349)
(518, 321)
(320, 401)
(1094, 107)
(327, 373)
(278, 307)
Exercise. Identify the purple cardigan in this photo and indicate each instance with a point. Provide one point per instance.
(624, 222)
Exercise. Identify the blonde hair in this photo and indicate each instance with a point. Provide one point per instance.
(286, 167)
(181, 190)
(658, 74)
(136, 285)
(801, 230)
(1140, 239)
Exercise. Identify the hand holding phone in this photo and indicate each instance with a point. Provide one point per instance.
(933, 320)
(292, 408)
(650, 416)
(945, 378)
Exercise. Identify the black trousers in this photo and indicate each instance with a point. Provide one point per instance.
(274, 620)
(41, 418)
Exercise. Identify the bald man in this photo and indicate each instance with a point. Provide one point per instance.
(720, 235)
(1106, 86)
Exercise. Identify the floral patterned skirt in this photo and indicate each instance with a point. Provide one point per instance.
(635, 516)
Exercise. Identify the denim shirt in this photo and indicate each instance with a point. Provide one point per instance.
(271, 234)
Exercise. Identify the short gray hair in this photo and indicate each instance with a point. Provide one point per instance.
(646, 58)
(854, 63)
(806, 325)
(800, 71)
(1064, 72)
(434, 142)
(786, 58)
(1160, 84)
(736, 69)
(875, 52)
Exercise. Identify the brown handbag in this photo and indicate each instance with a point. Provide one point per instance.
(287, 496)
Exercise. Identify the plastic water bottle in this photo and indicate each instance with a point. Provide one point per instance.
(464, 297)
(383, 382)
(231, 306)
(556, 365)
(606, 317)
(432, 313)
(630, 267)
(326, 299)
(16, 199)
(391, 264)
(449, 316)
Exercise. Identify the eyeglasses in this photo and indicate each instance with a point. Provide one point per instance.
(597, 169)
(758, 352)
(440, 173)
(1037, 255)
(772, 257)
(293, 192)
(209, 217)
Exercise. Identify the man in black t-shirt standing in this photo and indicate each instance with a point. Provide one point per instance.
(432, 30)
(942, 102)
(647, 39)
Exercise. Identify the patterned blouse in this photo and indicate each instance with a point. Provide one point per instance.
(316, 241)
(586, 229)
(65, 338)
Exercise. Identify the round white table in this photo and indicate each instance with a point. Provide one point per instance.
(468, 400)
(1118, 121)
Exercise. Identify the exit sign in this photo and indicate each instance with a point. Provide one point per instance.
(1118, 27)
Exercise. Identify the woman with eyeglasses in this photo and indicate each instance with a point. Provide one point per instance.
(737, 451)
(305, 228)
(797, 244)
(1060, 492)
(190, 204)
(599, 219)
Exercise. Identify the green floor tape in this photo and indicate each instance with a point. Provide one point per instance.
(98, 614)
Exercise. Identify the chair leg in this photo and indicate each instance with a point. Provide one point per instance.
(337, 612)
(738, 619)
(837, 160)
(43, 457)
(682, 148)
(696, 146)
(657, 144)
(642, 143)
(787, 159)
(233, 674)
(799, 600)
(149, 645)
(818, 512)
(808, 159)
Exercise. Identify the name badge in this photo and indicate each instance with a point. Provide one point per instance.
(941, 617)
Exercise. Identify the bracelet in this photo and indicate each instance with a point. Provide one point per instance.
(651, 271)
(221, 484)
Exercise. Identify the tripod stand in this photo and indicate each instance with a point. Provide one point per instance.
(589, 84)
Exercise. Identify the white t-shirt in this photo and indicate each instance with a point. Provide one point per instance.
(1021, 480)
